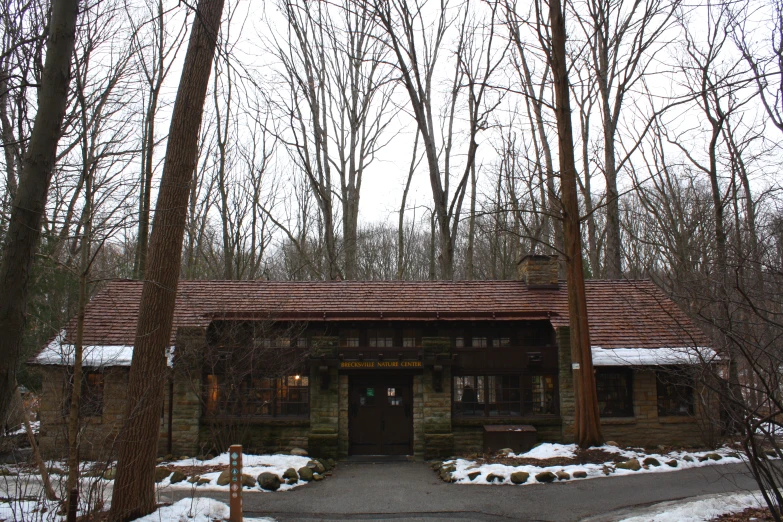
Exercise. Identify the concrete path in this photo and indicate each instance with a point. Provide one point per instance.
(411, 491)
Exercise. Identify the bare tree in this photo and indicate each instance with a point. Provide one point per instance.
(417, 46)
(134, 490)
(28, 208)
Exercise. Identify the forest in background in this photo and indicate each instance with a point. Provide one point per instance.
(676, 110)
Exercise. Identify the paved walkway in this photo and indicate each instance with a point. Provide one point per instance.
(411, 491)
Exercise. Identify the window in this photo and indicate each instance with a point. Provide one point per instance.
(469, 395)
(257, 396)
(409, 339)
(542, 395)
(92, 394)
(349, 339)
(614, 388)
(380, 338)
(503, 342)
(301, 342)
(504, 395)
(675, 393)
(479, 342)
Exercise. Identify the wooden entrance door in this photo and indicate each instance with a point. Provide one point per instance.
(380, 415)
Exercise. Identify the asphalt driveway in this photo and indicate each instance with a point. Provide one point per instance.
(411, 491)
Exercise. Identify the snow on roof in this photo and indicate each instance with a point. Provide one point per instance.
(60, 353)
(652, 356)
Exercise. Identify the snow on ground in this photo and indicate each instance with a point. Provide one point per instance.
(701, 510)
(194, 510)
(252, 465)
(19, 430)
(684, 460)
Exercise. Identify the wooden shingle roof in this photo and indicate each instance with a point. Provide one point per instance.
(622, 314)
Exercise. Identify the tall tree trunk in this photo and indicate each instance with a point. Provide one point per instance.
(401, 223)
(76, 385)
(29, 204)
(472, 224)
(587, 421)
(134, 488)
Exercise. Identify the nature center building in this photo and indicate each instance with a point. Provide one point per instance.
(423, 368)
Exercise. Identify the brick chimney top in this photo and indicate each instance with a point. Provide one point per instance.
(539, 271)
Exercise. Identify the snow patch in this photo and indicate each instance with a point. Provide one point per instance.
(700, 510)
(652, 356)
(60, 353)
(197, 509)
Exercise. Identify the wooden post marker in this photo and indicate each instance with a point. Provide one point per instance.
(235, 491)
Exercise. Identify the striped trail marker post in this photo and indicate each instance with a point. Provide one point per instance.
(235, 489)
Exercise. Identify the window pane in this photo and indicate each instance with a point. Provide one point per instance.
(479, 342)
(675, 394)
(542, 395)
(293, 395)
(92, 395)
(459, 342)
(349, 339)
(615, 393)
(504, 395)
(469, 395)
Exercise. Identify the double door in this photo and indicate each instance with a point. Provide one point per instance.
(380, 415)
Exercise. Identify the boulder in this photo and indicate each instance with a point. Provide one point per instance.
(194, 479)
(473, 474)
(671, 463)
(248, 481)
(687, 458)
(224, 479)
(612, 443)
(519, 477)
(290, 473)
(325, 464)
(291, 482)
(110, 473)
(579, 474)
(495, 478)
(546, 476)
(305, 474)
(316, 466)
(563, 475)
(177, 476)
(446, 473)
(713, 456)
(299, 452)
(332, 463)
(317, 477)
(632, 464)
(435, 465)
(209, 456)
(734, 455)
(505, 451)
(161, 473)
(269, 481)
(92, 473)
(651, 461)
(184, 457)
(202, 482)
(770, 453)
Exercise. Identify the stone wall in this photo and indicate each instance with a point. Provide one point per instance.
(255, 435)
(469, 433)
(436, 414)
(99, 433)
(645, 428)
(343, 433)
(565, 384)
(418, 416)
(324, 413)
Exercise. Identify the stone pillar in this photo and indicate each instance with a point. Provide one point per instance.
(324, 412)
(436, 414)
(418, 415)
(342, 429)
(566, 383)
(187, 374)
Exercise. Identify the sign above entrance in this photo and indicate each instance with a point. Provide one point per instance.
(379, 365)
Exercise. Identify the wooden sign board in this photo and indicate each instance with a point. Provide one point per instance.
(379, 365)
(235, 488)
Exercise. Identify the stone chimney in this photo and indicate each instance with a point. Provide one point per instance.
(539, 271)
